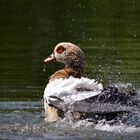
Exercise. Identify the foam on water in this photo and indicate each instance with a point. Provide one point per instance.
(121, 128)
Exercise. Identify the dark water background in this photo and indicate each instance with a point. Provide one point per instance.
(107, 31)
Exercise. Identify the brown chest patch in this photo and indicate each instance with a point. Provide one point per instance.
(65, 73)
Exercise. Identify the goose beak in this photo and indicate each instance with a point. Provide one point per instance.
(51, 58)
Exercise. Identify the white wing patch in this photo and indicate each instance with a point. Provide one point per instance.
(72, 89)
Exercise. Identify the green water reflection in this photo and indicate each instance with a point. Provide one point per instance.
(108, 32)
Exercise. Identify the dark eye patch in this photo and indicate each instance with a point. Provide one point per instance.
(60, 49)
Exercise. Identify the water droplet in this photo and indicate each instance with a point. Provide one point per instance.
(134, 35)
(44, 68)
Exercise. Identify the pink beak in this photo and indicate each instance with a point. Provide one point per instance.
(51, 58)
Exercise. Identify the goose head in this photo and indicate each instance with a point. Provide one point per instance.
(69, 54)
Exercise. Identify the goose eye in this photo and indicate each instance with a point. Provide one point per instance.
(60, 49)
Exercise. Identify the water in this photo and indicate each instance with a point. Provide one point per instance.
(24, 119)
(107, 31)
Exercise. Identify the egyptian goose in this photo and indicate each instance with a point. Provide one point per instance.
(69, 85)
